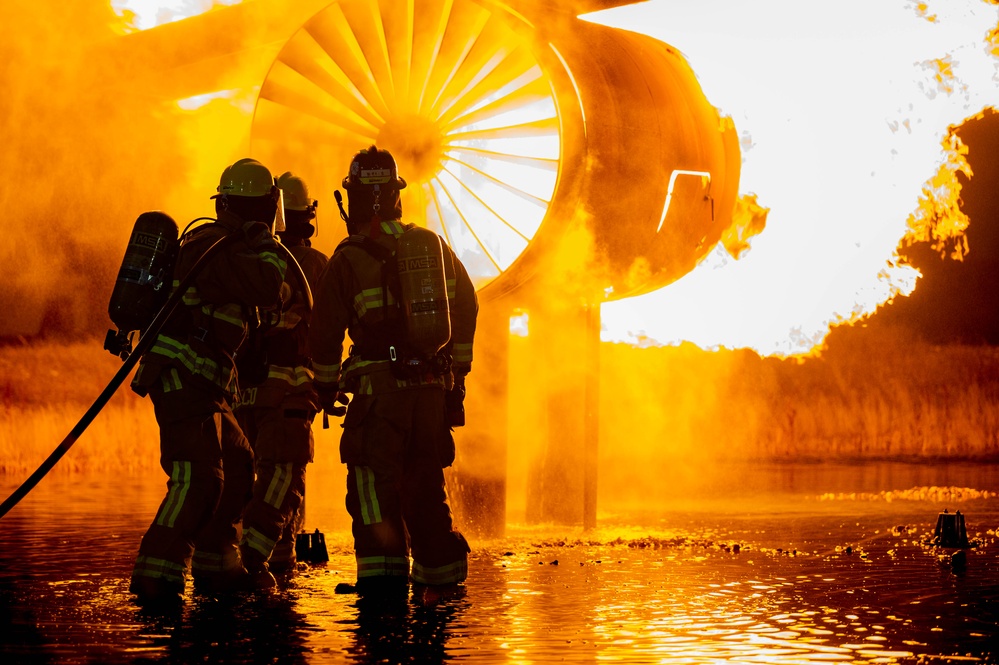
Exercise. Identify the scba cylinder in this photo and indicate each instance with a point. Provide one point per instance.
(423, 287)
(146, 272)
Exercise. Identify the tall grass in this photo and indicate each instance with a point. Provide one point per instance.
(47, 387)
(865, 397)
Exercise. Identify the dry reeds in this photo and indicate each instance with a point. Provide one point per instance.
(862, 398)
(47, 387)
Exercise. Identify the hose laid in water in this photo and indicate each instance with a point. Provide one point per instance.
(145, 341)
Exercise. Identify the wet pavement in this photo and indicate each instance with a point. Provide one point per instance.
(819, 572)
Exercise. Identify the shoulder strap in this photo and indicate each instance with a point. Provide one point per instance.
(369, 245)
(382, 254)
(212, 230)
(377, 338)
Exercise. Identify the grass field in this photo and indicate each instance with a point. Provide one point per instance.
(47, 388)
(862, 398)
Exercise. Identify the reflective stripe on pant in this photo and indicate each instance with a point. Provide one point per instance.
(191, 455)
(282, 443)
(449, 573)
(382, 566)
(393, 444)
(148, 566)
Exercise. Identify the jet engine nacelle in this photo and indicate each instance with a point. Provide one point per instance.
(541, 146)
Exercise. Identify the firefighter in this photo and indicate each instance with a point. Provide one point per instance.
(396, 437)
(189, 375)
(276, 414)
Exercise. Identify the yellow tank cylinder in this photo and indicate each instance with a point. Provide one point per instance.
(423, 290)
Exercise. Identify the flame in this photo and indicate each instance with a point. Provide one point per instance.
(939, 219)
(846, 117)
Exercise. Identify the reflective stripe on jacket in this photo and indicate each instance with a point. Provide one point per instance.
(289, 380)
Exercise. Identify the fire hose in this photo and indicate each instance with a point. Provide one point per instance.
(142, 345)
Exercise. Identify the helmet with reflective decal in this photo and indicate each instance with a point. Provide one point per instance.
(373, 168)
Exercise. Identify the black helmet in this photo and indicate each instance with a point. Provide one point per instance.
(373, 168)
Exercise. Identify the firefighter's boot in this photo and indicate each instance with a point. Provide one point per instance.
(156, 591)
(259, 575)
(219, 574)
(283, 559)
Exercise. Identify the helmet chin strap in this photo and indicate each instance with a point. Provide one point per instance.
(376, 207)
(343, 213)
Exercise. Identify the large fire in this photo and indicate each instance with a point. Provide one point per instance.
(845, 114)
(845, 117)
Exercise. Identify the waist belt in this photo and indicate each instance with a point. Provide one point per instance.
(369, 352)
(299, 414)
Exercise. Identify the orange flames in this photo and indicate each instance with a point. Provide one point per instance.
(846, 121)
(846, 117)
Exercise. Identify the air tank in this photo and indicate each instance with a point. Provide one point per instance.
(423, 290)
(146, 272)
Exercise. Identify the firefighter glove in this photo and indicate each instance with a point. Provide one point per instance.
(334, 403)
(454, 400)
(257, 234)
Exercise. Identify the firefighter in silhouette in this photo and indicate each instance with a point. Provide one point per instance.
(396, 437)
(277, 408)
(189, 375)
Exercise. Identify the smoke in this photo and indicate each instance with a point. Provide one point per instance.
(98, 128)
(838, 140)
(82, 158)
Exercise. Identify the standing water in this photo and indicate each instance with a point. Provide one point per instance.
(803, 564)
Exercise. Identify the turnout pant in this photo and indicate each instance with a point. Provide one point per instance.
(282, 445)
(395, 446)
(210, 473)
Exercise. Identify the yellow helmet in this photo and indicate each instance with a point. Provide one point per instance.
(247, 177)
(295, 192)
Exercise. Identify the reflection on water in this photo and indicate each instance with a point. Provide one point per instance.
(824, 565)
